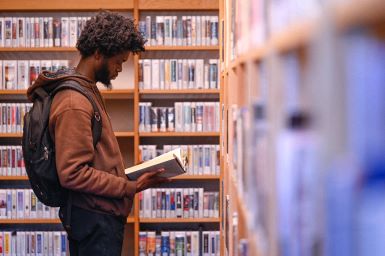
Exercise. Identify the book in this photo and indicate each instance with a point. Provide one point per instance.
(172, 162)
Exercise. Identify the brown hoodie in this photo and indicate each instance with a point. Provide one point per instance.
(95, 175)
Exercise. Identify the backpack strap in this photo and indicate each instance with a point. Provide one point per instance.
(96, 124)
(96, 121)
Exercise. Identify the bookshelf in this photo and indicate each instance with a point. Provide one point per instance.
(300, 63)
(123, 101)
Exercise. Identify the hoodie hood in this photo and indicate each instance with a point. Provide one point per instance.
(48, 80)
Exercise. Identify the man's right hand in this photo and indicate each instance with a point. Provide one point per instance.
(150, 179)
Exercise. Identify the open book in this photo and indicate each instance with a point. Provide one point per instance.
(172, 162)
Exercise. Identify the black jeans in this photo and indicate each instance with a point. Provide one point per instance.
(94, 233)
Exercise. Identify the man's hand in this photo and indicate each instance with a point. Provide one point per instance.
(150, 179)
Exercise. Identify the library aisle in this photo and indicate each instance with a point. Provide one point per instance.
(278, 107)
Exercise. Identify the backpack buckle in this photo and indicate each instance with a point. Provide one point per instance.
(97, 116)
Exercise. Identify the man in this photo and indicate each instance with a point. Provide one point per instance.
(102, 195)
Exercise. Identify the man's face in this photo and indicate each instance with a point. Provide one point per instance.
(110, 68)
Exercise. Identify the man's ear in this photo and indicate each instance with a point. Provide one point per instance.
(98, 55)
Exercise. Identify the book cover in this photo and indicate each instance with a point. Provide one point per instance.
(172, 162)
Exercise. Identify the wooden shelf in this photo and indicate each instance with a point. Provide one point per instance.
(13, 178)
(109, 94)
(179, 5)
(75, 5)
(13, 92)
(30, 221)
(19, 135)
(11, 135)
(182, 48)
(38, 49)
(179, 134)
(179, 220)
(43, 221)
(180, 91)
(196, 177)
(124, 134)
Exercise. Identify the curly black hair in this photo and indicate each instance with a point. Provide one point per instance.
(110, 33)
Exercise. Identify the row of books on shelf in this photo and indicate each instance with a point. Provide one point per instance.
(23, 204)
(40, 31)
(178, 203)
(180, 31)
(20, 74)
(33, 243)
(183, 117)
(178, 74)
(252, 22)
(11, 116)
(200, 159)
(11, 161)
(173, 243)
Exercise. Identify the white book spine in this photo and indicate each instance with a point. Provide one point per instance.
(33, 32)
(155, 74)
(57, 243)
(51, 245)
(193, 31)
(22, 74)
(198, 30)
(147, 74)
(27, 203)
(162, 74)
(41, 32)
(65, 31)
(201, 203)
(203, 30)
(199, 73)
(206, 76)
(50, 32)
(73, 31)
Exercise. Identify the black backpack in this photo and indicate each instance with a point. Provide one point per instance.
(39, 149)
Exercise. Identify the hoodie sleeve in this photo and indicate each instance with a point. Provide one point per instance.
(75, 151)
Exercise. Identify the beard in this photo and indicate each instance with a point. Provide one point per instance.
(103, 75)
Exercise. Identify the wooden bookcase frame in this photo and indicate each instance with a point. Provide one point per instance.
(129, 96)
